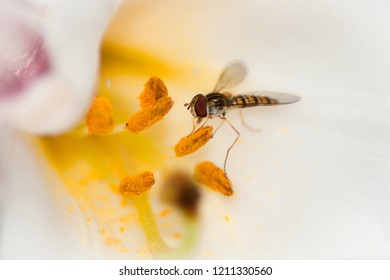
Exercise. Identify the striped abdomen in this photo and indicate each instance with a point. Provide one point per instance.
(243, 101)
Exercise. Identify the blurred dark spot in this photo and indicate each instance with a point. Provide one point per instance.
(181, 191)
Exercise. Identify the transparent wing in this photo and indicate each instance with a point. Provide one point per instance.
(233, 74)
(280, 97)
(262, 98)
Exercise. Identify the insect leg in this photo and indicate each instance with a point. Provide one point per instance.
(194, 123)
(252, 129)
(215, 131)
(193, 126)
(231, 146)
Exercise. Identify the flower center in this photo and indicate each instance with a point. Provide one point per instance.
(113, 163)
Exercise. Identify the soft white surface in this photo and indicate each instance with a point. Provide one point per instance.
(32, 226)
(315, 182)
(71, 32)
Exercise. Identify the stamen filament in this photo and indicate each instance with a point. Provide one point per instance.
(135, 188)
(153, 236)
(156, 243)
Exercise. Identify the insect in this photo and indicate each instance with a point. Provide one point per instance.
(218, 102)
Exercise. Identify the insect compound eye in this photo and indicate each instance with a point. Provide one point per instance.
(200, 106)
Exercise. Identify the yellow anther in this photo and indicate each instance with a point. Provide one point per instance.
(194, 141)
(154, 90)
(150, 115)
(210, 175)
(136, 185)
(99, 118)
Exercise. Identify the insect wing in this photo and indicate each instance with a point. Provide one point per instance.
(280, 97)
(263, 98)
(231, 76)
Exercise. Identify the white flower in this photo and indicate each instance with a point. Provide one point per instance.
(314, 183)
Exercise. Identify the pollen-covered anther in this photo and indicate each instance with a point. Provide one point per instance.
(154, 90)
(209, 174)
(99, 118)
(136, 185)
(149, 115)
(194, 141)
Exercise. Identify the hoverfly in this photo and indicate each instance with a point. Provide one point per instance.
(218, 102)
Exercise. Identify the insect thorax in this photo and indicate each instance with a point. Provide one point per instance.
(217, 104)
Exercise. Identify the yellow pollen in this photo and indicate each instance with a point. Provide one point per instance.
(165, 212)
(154, 90)
(210, 175)
(99, 118)
(194, 141)
(136, 185)
(150, 115)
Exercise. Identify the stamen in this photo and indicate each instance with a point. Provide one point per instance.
(154, 90)
(136, 185)
(149, 115)
(99, 117)
(182, 194)
(146, 216)
(210, 175)
(194, 141)
(135, 188)
(155, 104)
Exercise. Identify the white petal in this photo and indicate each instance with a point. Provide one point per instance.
(33, 225)
(57, 101)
